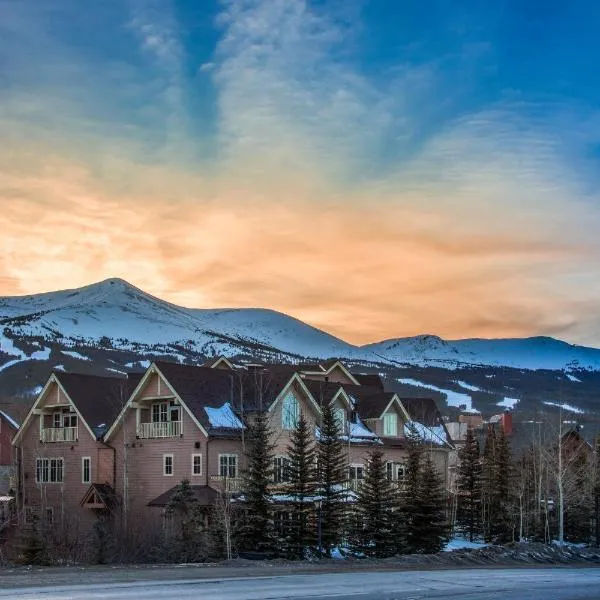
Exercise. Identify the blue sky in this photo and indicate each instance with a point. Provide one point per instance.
(448, 153)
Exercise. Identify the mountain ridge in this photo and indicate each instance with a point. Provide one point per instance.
(112, 327)
(120, 311)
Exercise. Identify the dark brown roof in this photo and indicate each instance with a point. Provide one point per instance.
(245, 391)
(199, 387)
(425, 411)
(322, 391)
(369, 402)
(98, 399)
(370, 380)
(204, 494)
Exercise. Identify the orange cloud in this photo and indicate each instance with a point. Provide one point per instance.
(361, 270)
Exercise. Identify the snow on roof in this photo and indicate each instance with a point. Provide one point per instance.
(223, 417)
(9, 419)
(358, 430)
(435, 435)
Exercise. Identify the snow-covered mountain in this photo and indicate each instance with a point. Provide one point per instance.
(113, 327)
(116, 314)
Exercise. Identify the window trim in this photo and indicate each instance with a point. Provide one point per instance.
(289, 421)
(284, 469)
(48, 468)
(386, 419)
(194, 455)
(89, 469)
(229, 455)
(341, 423)
(164, 464)
(356, 466)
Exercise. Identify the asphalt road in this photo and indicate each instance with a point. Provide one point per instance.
(480, 584)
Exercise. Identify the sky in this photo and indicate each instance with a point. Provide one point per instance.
(377, 168)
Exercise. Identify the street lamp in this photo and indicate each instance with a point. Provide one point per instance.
(319, 530)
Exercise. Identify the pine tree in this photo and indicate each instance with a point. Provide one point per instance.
(406, 534)
(497, 492)
(257, 530)
(469, 487)
(374, 534)
(301, 488)
(332, 477)
(429, 523)
(186, 543)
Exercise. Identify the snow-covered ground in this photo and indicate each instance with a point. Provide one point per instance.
(564, 406)
(452, 398)
(509, 403)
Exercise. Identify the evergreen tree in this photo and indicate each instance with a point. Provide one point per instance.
(257, 530)
(469, 487)
(497, 493)
(332, 477)
(407, 537)
(186, 543)
(429, 525)
(301, 487)
(374, 534)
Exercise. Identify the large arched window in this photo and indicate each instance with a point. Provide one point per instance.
(290, 413)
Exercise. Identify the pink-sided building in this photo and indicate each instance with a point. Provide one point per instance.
(65, 470)
(119, 447)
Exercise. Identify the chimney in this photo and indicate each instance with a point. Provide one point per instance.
(507, 423)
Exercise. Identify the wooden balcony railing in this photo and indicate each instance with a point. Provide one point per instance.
(59, 434)
(165, 429)
(227, 484)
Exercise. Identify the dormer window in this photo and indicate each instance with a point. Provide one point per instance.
(390, 424)
(290, 413)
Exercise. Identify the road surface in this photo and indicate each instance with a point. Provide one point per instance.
(479, 584)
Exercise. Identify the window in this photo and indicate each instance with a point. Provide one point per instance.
(49, 516)
(283, 521)
(159, 412)
(395, 471)
(290, 413)
(281, 466)
(57, 420)
(167, 464)
(228, 465)
(70, 420)
(356, 472)
(86, 469)
(390, 424)
(340, 418)
(196, 464)
(49, 470)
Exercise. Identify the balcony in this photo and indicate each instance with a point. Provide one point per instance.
(164, 429)
(227, 484)
(59, 434)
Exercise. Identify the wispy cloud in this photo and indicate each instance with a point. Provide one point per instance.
(372, 205)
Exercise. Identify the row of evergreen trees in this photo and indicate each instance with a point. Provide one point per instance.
(484, 499)
(382, 519)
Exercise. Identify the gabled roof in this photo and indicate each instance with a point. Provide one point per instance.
(99, 496)
(96, 399)
(369, 380)
(204, 495)
(424, 411)
(325, 367)
(199, 387)
(370, 402)
(213, 363)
